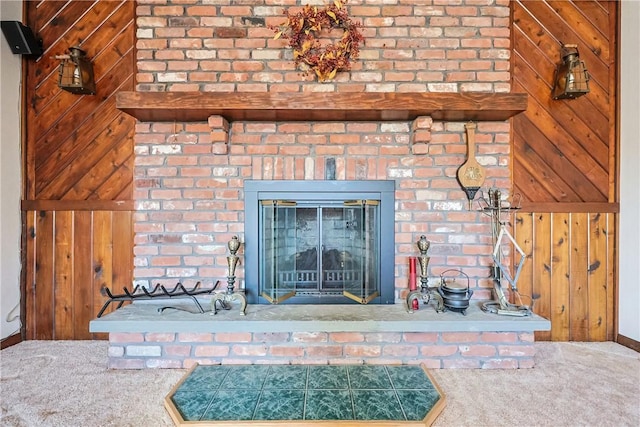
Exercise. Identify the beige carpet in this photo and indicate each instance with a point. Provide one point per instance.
(66, 384)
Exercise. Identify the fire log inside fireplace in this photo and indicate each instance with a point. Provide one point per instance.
(338, 268)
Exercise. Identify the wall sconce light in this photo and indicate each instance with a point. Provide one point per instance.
(76, 72)
(571, 79)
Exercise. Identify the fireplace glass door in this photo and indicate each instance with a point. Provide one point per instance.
(319, 250)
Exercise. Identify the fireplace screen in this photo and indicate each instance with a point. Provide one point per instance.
(315, 249)
(319, 242)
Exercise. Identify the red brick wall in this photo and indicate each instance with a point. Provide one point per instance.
(446, 350)
(190, 199)
(410, 46)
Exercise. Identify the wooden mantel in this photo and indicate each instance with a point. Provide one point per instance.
(319, 106)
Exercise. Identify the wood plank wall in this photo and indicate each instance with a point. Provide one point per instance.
(565, 167)
(71, 257)
(78, 156)
(569, 272)
(564, 150)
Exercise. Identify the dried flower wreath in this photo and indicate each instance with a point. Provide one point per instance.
(301, 29)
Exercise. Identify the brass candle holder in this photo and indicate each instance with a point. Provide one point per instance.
(426, 293)
(224, 299)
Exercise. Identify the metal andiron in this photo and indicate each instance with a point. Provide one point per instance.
(223, 299)
(426, 293)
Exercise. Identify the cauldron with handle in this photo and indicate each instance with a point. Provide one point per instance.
(454, 296)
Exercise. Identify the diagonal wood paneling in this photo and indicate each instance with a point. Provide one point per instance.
(69, 136)
(564, 150)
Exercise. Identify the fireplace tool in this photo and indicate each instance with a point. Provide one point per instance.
(224, 298)
(471, 174)
(426, 293)
(140, 293)
(495, 207)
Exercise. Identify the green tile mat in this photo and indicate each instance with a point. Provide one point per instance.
(219, 394)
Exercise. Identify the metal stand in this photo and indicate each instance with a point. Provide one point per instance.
(224, 298)
(425, 293)
(494, 208)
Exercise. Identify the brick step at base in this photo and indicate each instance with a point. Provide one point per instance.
(142, 338)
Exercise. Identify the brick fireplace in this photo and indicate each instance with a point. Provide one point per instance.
(189, 175)
(191, 169)
(190, 202)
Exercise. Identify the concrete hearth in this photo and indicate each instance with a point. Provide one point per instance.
(143, 337)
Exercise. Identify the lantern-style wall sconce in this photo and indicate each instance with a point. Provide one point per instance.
(571, 79)
(76, 72)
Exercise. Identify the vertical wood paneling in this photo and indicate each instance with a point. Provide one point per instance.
(44, 277)
(83, 274)
(611, 277)
(560, 276)
(102, 258)
(29, 273)
(542, 268)
(524, 226)
(63, 270)
(83, 251)
(572, 270)
(122, 251)
(597, 277)
(578, 292)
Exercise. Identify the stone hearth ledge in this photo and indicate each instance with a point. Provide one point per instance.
(144, 316)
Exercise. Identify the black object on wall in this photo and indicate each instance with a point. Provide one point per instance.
(21, 39)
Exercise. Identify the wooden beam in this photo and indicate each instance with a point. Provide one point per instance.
(584, 207)
(78, 205)
(306, 106)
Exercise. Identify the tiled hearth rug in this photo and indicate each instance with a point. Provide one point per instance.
(292, 395)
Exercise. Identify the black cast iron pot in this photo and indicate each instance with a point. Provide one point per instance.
(454, 296)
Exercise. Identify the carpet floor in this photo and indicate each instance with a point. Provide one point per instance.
(67, 384)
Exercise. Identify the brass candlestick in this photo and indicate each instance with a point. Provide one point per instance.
(232, 263)
(425, 293)
(225, 298)
(423, 247)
